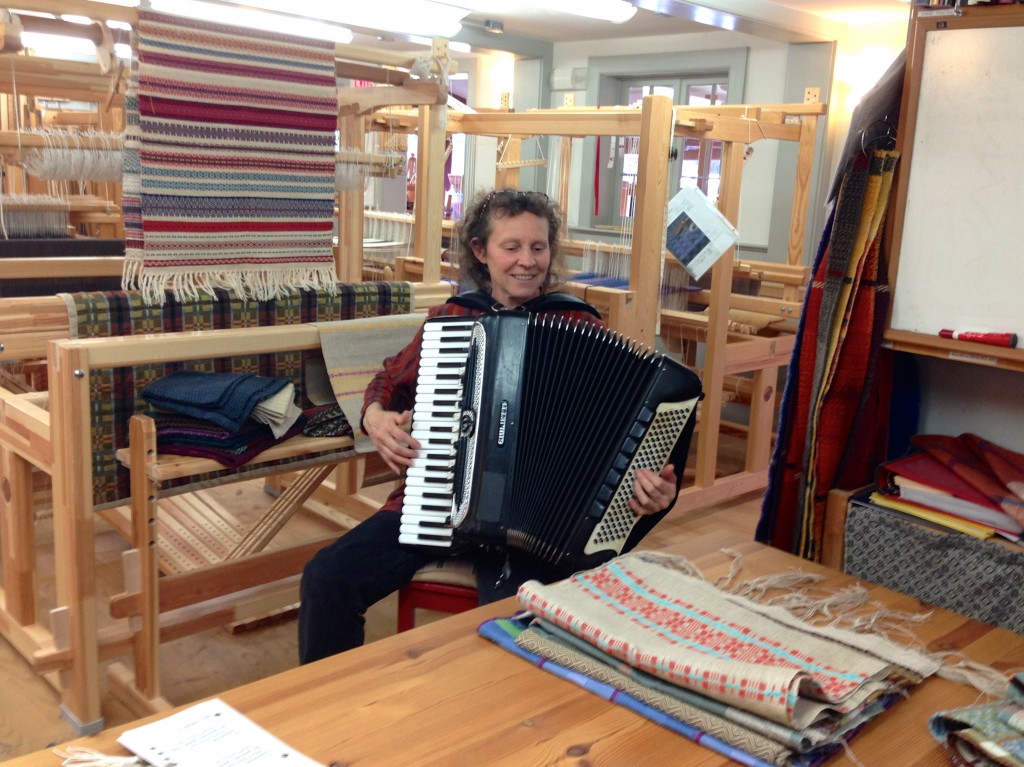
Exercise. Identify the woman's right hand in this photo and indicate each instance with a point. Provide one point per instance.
(390, 435)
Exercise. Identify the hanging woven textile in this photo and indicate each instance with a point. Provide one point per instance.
(229, 160)
(834, 406)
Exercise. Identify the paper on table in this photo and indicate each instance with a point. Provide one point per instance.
(211, 734)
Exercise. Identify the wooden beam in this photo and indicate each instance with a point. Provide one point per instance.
(365, 100)
(649, 217)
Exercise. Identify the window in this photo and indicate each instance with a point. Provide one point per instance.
(695, 78)
(692, 163)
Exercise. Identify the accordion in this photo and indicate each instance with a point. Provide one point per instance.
(532, 429)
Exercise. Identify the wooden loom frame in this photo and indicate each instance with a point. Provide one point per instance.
(655, 123)
(43, 77)
(31, 435)
(635, 312)
(51, 432)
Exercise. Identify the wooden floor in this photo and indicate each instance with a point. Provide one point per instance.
(207, 663)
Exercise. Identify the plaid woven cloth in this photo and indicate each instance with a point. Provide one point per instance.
(229, 160)
(115, 393)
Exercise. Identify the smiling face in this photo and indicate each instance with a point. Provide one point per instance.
(517, 255)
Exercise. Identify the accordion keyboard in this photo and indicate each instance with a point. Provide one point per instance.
(430, 480)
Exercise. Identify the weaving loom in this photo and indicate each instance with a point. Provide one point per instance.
(229, 177)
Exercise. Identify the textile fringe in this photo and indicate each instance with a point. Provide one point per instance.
(839, 608)
(80, 756)
(257, 285)
(984, 679)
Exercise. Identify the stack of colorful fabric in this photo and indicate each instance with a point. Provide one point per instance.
(746, 679)
(229, 417)
(186, 435)
(987, 734)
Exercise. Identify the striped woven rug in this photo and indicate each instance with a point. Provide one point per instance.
(229, 160)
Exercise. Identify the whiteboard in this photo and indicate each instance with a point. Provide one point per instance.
(961, 252)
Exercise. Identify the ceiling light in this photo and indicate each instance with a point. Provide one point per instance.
(428, 42)
(616, 11)
(405, 17)
(254, 19)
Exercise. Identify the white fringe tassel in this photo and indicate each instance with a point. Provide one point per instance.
(80, 756)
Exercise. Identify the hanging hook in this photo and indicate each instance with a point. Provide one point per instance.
(885, 139)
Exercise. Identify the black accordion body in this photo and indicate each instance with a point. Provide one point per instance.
(532, 429)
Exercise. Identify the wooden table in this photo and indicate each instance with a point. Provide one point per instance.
(441, 695)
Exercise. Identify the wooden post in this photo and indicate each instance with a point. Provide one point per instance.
(656, 123)
(432, 131)
(348, 258)
(74, 533)
(716, 348)
(507, 176)
(17, 537)
(146, 641)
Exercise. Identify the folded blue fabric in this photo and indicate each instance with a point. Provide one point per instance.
(226, 399)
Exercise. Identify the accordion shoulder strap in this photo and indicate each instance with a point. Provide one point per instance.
(548, 302)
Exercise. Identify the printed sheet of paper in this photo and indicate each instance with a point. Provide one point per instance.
(211, 734)
(697, 232)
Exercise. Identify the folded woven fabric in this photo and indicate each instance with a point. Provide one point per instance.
(227, 399)
(278, 411)
(232, 451)
(327, 421)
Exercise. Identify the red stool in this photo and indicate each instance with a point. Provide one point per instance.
(448, 586)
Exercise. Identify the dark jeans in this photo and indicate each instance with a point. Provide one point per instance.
(366, 564)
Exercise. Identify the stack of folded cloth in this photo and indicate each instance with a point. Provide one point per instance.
(746, 679)
(985, 734)
(186, 435)
(229, 417)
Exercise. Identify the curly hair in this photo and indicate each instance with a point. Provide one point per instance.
(477, 223)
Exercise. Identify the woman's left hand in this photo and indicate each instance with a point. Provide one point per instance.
(652, 491)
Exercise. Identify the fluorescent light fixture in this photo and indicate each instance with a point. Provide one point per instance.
(615, 11)
(404, 17)
(59, 46)
(452, 44)
(254, 19)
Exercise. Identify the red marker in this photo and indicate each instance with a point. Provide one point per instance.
(1008, 340)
